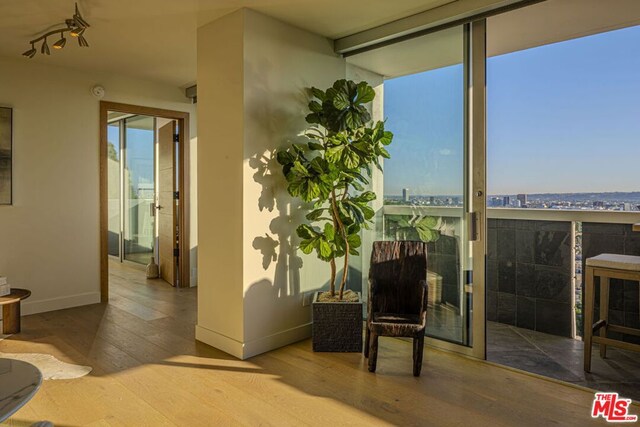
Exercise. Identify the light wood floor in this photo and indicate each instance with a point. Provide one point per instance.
(149, 371)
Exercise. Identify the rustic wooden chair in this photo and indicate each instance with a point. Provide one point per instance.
(397, 297)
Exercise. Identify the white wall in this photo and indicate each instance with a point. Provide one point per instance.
(49, 238)
(252, 75)
(280, 63)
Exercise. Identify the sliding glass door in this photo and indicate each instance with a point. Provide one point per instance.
(432, 189)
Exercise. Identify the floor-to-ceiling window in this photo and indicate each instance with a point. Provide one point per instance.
(422, 85)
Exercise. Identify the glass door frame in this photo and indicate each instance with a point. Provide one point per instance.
(123, 190)
(475, 59)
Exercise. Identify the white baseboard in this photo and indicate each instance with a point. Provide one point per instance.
(277, 340)
(219, 341)
(59, 303)
(252, 348)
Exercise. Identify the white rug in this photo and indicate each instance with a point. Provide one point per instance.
(50, 366)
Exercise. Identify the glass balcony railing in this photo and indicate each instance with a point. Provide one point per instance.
(535, 259)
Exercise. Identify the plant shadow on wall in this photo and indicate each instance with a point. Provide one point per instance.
(272, 120)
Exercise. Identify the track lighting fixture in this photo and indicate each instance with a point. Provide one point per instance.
(75, 26)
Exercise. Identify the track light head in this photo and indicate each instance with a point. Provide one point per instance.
(82, 41)
(31, 52)
(77, 31)
(60, 43)
(45, 48)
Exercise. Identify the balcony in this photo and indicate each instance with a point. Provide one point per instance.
(535, 259)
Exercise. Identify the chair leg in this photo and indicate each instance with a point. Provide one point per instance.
(588, 318)
(367, 337)
(418, 349)
(604, 312)
(373, 352)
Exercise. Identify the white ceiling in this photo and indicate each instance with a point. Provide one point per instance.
(543, 23)
(156, 39)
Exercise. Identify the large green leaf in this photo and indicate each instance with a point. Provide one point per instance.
(315, 146)
(315, 107)
(305, 231)
(365, 93)
(350, 158)
(318, 93)
(334, 154)
(329, 232)
(324, 248)
(306, 246)
(354, 240)
(315, 214)
(341, 101)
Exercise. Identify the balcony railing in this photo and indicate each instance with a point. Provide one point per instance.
(535, 260)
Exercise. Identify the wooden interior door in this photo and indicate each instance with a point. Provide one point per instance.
(166, 209)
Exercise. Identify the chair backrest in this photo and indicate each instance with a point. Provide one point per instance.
(397, 269)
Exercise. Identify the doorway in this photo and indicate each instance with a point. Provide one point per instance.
(144, 191)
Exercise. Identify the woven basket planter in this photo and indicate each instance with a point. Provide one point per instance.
(337, 326)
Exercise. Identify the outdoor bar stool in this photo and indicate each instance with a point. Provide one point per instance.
(606, 266)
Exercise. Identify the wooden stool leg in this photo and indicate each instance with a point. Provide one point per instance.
(11, 318)
(588, 317)
(373, 352)
(604, 312)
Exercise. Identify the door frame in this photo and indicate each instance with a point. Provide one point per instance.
(183, 188)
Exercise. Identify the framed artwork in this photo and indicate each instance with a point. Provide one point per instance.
(5, 155)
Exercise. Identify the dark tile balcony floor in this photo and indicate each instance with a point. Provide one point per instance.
(561, 358)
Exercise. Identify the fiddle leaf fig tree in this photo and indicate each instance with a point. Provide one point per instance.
(332, 170)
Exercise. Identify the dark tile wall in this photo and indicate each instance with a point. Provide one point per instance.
(529, 275)
(624, 299)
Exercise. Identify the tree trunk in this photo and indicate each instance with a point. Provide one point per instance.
(333, 277)
(343, 231)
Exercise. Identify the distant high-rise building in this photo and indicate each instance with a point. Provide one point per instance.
(523, 200)
(405, 194)
(506, 201)
(598, 204)
(517, 203)
(432, 200)
(626, 206)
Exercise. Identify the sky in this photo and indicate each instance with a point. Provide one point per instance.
(563, 117)
(139, 153)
